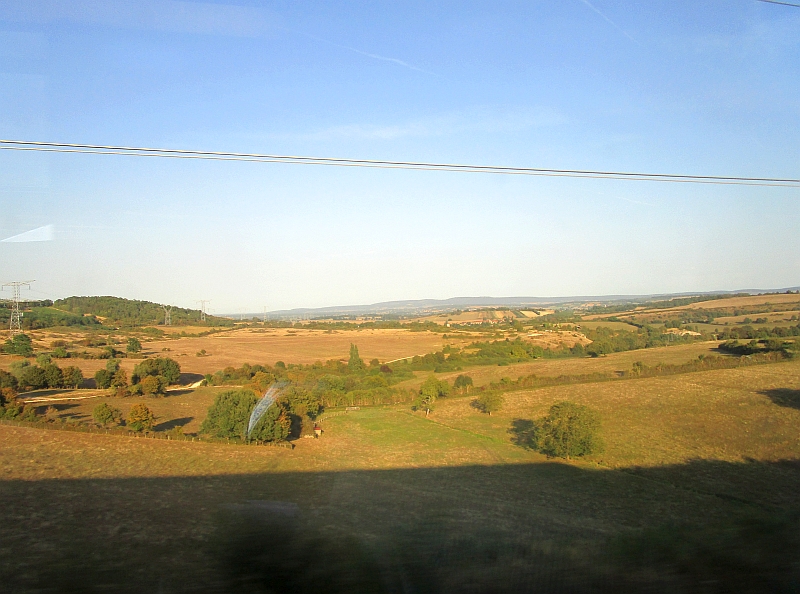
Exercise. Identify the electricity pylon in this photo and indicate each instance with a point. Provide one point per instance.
(16, 327)
(202, 303)
(167, 314)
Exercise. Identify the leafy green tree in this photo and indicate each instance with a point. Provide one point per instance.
(163, 366)
(54, 375)
(429, 392)
(152, 385)
(568, 430)
(7, 380)
(489, 402)
(134, 346)
(42, 359)
(106, 415)
(141, 418)
(73, 376)
(19, 345)
(103, 378)
(355, 362)
(34, 377)
(463, 383)
(275, 425)
(60, 353)
(230, 415)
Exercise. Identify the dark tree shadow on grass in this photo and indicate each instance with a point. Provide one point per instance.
(521, 432)
(187, 379)
(784, 397)
(167, 425)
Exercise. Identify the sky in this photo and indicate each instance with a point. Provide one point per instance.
(708, 88)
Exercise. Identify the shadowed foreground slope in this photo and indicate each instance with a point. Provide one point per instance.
(704, 526)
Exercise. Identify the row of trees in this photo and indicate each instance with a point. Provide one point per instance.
(23, 376)
(140, 418)
(149, 378)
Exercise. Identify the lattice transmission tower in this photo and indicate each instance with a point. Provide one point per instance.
(167, 314)
(16, 315)
(202, 303)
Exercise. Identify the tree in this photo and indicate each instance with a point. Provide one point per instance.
(7, 380)
(140, 418)
(152, 385)
(103, 378)
(163, 366)
(73, 376)
(230, 415)
(489, 402)
(430, 390)
(568, 430)
(120, 379)
(463, 383)
(19, 345)
(134, 346)
(355, 363)
(105, 415)
(34, 377)
(54, 375)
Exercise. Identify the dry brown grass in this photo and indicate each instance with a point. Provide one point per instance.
(613, 363)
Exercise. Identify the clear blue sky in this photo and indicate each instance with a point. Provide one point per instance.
(658, 86)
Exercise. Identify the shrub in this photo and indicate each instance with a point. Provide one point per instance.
(568, 430)
(140, 418)
(489, 402)
(134, 346)
(105, 415)
(60, 353)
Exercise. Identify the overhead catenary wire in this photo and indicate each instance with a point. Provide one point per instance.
(59, 147)
(781, 3)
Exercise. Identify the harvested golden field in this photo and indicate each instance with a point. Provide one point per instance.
(235, 347)
(297, 346)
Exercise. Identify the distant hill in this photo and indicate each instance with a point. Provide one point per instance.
(416, 307)
(131, 312)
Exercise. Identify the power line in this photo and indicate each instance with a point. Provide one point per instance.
(58, 147)
(781, 3)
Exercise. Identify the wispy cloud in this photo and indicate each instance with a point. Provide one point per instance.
(363, 53)
(609, 21)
